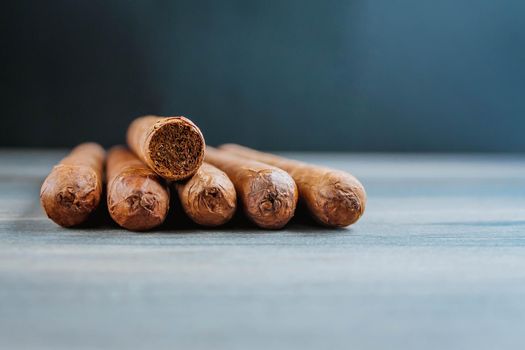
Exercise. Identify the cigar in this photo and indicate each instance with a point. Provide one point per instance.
(334, 198)
(268, 194)
(208, 197)
(172, 146)
(138, 199)
(73, 188)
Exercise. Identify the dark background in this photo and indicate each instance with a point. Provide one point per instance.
(362, 75)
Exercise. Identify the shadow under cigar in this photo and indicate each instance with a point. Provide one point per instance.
(304, 222)
(177, 222)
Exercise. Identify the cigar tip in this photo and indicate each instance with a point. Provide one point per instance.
(138, 212)
(272, 198)
(212, 206)
(341, 199)
(343, 209)
(176, 148)
(137, 209)
(69, 194)
(213, 199)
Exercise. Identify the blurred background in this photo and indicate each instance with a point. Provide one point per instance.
(355, 75)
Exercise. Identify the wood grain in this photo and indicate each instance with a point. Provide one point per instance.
(438, 261)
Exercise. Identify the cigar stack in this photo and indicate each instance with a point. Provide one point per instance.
(167, 155)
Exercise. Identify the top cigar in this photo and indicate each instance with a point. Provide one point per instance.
(173, 147)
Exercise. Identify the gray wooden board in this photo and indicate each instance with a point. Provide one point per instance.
(438, 261)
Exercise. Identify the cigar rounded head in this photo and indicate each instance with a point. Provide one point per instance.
(334, 198)
(209, 197)
(70, 193)
(337, 199)
(137, 201)
(270, 197)
(173, 147)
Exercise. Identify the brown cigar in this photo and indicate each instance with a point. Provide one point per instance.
(208, 197)
(138, 199)
(73, 188)
(268, 194)
(335, 198)
(173, 147)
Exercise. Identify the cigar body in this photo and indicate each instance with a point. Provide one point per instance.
(73, 188)
(138, 199)
(334, 198)
(172, 146)
(268, 194)
(208, 197)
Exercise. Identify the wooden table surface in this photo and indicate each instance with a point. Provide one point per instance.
(438, 261)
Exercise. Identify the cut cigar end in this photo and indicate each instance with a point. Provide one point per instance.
(176, 148)
(272, 199)
(69, 194)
